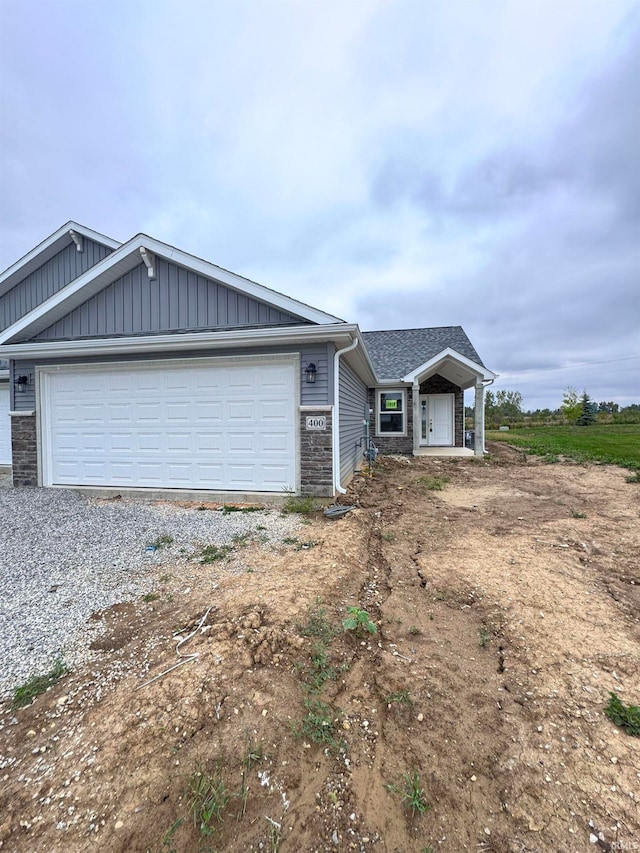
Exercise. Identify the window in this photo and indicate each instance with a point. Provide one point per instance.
(391, 412)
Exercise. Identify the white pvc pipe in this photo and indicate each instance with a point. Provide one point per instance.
(336, 414)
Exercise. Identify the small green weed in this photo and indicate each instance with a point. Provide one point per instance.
(207, 797)
(551, 458)
(23, 696)
(166, 842)
(627, 717)
(260, 527)
(389, 536)
(316, 624)
(576, 514)
(298, 504)
(229, 508)
(150, 596)
(213, 553)
(414, 630)
(317, 723)
(433, 484)
(290, 540)
(412, 793)
(254, 752)
(241, 540)
(320, 671)
(165, 578)
(275, 830)
(485, 636)
(633, 478)
(161, 541)
(358, 621)
(402, 697)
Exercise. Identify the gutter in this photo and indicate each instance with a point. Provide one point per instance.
(180, 341)
(336, 414)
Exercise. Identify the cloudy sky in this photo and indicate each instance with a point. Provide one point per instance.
(398, 163)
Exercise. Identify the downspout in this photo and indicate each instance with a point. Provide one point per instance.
(336, 414)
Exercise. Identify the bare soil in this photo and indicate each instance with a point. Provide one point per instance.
(507, 607)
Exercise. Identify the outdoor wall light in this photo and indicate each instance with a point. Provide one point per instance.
(21, 383)
(310, 373)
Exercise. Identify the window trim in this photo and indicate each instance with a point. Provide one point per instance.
(379, 392)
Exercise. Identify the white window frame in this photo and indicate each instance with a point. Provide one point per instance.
(402, 391)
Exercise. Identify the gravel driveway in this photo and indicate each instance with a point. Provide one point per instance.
(64, 556)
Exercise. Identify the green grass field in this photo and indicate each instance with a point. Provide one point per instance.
(615, 443)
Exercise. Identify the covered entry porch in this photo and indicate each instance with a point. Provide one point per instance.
(438, 404)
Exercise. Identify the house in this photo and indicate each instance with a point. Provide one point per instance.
(137, 365)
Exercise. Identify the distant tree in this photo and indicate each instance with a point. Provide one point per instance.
(610, 408)
(509, 404)
(588, 410)
(571, 405)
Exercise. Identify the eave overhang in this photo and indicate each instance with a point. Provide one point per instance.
(455, 367)
(44, 251)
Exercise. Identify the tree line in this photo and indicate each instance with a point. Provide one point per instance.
(505, 408)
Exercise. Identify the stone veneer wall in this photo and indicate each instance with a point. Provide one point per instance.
(439, 385)
(402, 444)
(24, 450)
(316, 456)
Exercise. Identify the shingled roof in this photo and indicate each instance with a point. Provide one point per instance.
(396, 352)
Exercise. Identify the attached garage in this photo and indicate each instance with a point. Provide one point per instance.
(216, 424)
(5, 426)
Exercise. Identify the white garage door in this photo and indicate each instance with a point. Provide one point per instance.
(207, 425)
(5, 426)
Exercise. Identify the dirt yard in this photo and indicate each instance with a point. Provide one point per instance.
(507, 607)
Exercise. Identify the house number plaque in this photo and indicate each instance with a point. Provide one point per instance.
(316, 422)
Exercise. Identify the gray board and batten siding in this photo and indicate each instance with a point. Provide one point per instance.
(177, 300)
(48, 279)
(353, 410)
(320, 393)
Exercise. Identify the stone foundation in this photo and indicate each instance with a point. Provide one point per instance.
(316, 456)
(24, 450)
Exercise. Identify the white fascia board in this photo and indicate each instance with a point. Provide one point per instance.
(452, 354)
(47, 249)
(340, 334)
(128, 255)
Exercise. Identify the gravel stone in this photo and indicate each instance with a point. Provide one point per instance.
(64, 556)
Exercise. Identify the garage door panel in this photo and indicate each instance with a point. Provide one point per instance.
(275, 442)
(148, 412)
(207, 426)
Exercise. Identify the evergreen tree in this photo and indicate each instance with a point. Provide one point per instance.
(588, 411)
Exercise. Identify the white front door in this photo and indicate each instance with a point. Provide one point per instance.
(5, 426)
(436, 420)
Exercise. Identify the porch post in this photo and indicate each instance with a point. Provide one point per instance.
(479, 420)
(416, 417)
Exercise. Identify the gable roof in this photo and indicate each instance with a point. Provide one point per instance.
(397, 352)
(44, 251)
(129, 255)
